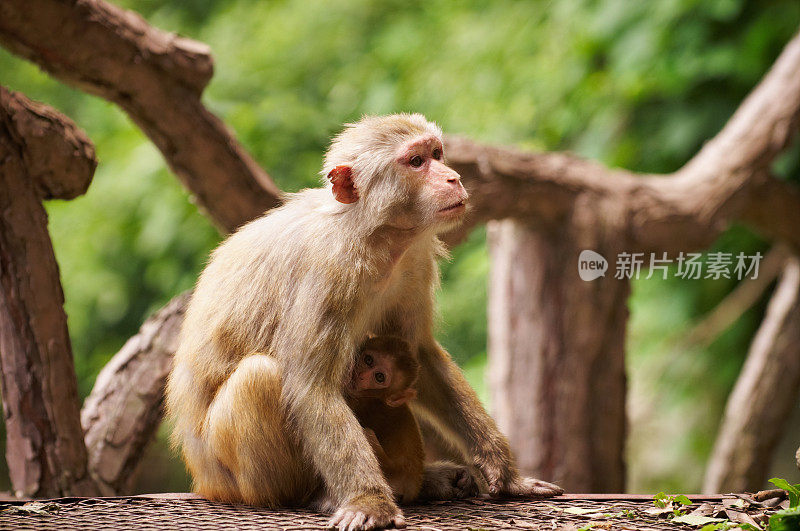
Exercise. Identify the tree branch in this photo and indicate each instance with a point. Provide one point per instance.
(157, 78)
(57, 155)
(738, 301)
(727, 180)
(42, 154)
(123, 411)
(773, 209)
(763, 397)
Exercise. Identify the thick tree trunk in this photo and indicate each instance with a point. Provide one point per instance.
(124, 409)
(41, 154)
(763, 397)
(556, 359)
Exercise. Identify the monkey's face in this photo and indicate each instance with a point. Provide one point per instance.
(436, 196)
(392, 170)
(376, 375)
(373, 374)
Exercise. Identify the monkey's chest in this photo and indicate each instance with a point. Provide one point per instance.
(395, 311)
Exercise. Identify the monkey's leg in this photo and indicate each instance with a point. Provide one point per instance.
(449, 403)
(398, 447)
(247, 432)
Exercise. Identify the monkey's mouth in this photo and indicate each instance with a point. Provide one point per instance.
(455, 207)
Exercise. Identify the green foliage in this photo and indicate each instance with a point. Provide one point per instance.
(786, 519)
(673, 502)
(634, 84)
(715, 527)
(462, 299)
(727, 524)
(792, 490)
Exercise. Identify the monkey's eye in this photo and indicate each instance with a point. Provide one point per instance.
(380, 377)
(437, 154)
(368, 361)
(416, 161)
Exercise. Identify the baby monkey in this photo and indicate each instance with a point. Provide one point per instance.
(380, 387)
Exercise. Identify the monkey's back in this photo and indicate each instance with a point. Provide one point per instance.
(252, 280)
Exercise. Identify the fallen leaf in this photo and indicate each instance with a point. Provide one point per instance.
(691, 519)
(40, 508)
(658, 511)
(735, 502)
(764, 495)
(705, 509)
(743, 518)
(580, 511)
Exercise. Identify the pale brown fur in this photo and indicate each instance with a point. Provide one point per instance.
(304, 285)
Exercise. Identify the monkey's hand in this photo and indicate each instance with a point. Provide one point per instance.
(508, 482)
(503, 479)
(528, 487)
(365, 512)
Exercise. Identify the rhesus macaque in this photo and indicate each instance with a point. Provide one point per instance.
(380, 387)
(303, 285)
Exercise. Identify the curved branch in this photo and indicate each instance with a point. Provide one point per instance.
(540, 188)
(727, 180)
(123, 411)
(57, 155)
(764, 395)
(45, 451)
(773, 208)
(738, 301)
(157, 78)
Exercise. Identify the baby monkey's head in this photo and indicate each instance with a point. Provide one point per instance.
(386, 369)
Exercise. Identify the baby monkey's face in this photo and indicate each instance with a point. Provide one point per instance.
(373, 374)
(376, 375)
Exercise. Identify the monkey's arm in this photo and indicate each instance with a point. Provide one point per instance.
(380, 454)
(340, 451)
(446, 399)
(328, 428)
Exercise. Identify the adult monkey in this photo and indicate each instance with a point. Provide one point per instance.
(304, 285)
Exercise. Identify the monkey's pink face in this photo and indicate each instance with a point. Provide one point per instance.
(438, 187)
(376, 376)
(373, 372)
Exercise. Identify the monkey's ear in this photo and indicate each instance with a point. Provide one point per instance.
(398, 399)
(344, 189)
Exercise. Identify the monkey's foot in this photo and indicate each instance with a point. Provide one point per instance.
(444, 480)
(526, 487)
(367, 512)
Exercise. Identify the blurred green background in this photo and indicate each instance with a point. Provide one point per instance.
(635, 84)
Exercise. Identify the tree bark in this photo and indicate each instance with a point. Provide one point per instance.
(42, 154)
(557, 359)
(155, 77)
(123, 411)
(763, 397)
